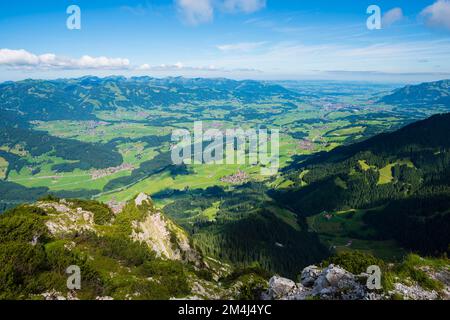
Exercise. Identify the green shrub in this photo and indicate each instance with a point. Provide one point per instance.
(170, 274)
(22, 224)
(49, 197)
(20, 263)
(124, 287)
(47, 280)
(252, 288)
(157, 280)
(124, 219)
(355, 262)
(397, 296)
(59, 258)
(388, 280)
(124, 249)
(409, 268)
(159, 267)
(254, 269)
(204, 274)
(102, 213)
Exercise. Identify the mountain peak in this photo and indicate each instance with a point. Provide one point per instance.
(141, 198)
(436, 93)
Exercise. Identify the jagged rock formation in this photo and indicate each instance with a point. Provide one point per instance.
(141, 198)
(63, 219)
(335, 283)
(332, 283)
(162, 235)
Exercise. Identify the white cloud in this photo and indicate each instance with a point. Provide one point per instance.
(196, 11)
(17, 57)
(247, 6)
(144, 67)
(179, 65)
(392, 16)
(438, 14)
(24, 59)
(100, 62)
(242, 47)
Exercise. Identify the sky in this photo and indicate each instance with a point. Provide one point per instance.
(240, 39)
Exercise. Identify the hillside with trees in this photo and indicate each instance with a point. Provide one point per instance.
(405, 175)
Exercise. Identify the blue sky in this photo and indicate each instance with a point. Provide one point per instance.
(259, 39)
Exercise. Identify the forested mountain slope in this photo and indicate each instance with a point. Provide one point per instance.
(423, 94)
(404, 175)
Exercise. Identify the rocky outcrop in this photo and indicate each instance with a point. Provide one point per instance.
(443, 276)
(141, 199)
(281, 287)
(332, 283)
(154, 232)
(414, 292)
(335, 283)
(64, 220)
(162, 235)
(56, 295)
(409, 290)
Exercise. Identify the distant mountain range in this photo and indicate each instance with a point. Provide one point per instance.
(426, 93)
(77, 99)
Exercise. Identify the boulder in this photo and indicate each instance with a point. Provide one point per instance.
(309, 276)
(280, 287)
(141, 198)
(335, 283)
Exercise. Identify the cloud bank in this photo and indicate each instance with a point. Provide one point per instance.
(24, 59)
